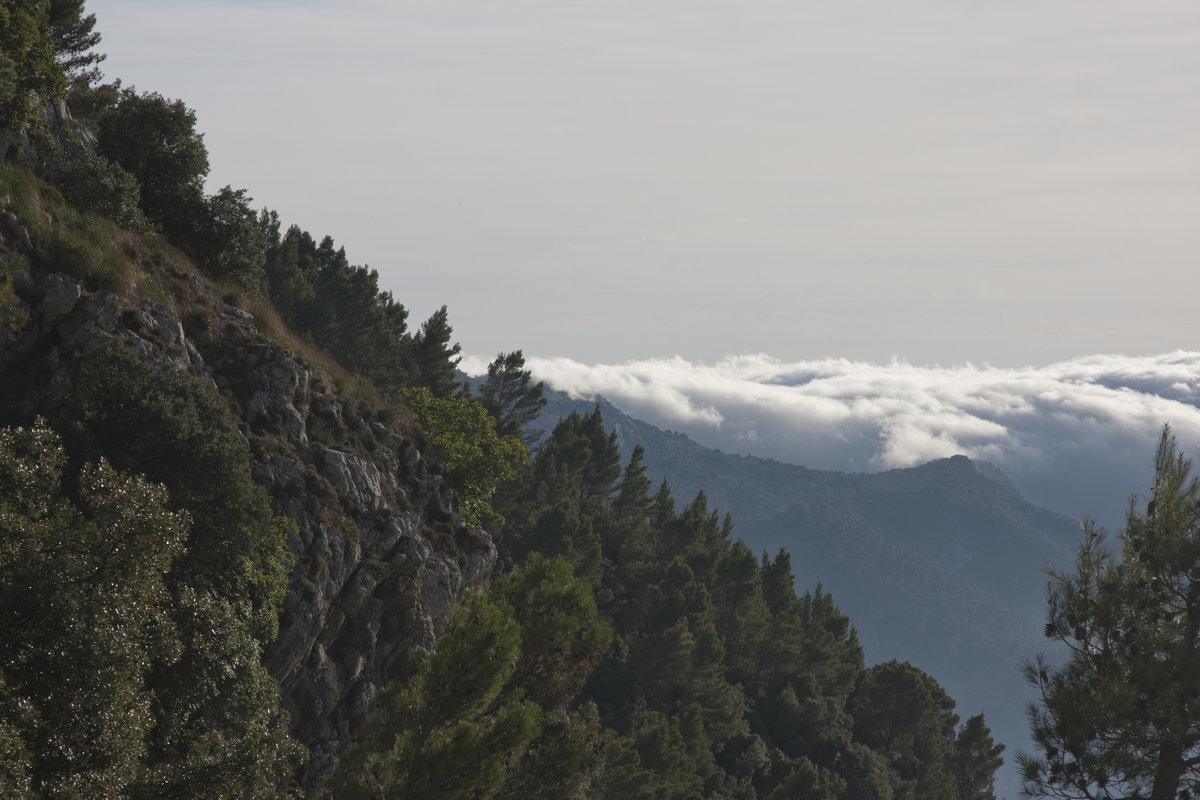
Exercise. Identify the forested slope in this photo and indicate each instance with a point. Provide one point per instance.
(255, 540)
(939, 565)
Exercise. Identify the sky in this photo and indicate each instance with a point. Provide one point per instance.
(942, 181)
(929, 205)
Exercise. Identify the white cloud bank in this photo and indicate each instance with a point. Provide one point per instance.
(1076, 436)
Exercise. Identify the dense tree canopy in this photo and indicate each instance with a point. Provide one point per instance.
(217, 729)
(721, 681)
(155, 139)
(485, 713)
(84, 608)
(478, 458)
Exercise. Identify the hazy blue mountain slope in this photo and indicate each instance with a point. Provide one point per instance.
(961, 514)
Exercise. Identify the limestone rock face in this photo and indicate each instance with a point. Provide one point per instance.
(380, 553)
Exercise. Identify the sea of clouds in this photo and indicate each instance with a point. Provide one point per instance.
(1077, 437)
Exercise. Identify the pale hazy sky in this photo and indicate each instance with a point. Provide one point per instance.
(1011, 183)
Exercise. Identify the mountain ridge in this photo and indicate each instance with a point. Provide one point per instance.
(941, 564)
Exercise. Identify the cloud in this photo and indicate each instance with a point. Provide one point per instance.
(1076, 436)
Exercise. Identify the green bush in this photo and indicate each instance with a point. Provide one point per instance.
(88, 180)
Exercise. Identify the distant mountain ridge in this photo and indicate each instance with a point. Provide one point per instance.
(941, 564)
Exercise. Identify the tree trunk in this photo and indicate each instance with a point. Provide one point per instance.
(1169, 770)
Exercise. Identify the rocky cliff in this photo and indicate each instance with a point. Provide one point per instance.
(380, 552)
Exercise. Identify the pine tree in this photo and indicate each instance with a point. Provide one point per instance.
(1121, 718)
(906, 716)
(975, 760)
(633, 494)
(74, 36)
(448, 731)
(510, 396)
(436, 357)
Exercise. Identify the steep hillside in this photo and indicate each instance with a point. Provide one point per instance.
(380, 553)
(231, 567)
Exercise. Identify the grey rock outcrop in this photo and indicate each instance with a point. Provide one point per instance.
(380, 554)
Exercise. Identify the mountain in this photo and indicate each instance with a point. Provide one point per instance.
(252, 544)
(941, 565)
(377, 553)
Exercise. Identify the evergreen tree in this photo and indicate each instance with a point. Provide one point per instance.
(905, 715)
(510, 396)
(486, 713)
(477, 457)
(1121, 718)
(805, 782)
(633, 494)
(436, 357)
(975, 760)
(448, 732)
(74, 36)
(337, 305)
(603, 465)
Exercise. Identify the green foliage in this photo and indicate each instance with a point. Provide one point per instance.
(805, 782)
(12, 316)
(16, 715)
(436, 357)
(168, 426)
(228, 240)
(87, 179)
(9, 86)
(561, 763)
(338, 306)
(444, 732)
(84, 245)
(903, 714)
(976, 759)
(561, 634)
(461, 725)
(477, 457)
(83, 611)
(721, 681)
(88, 101)
(1121, 718)
(217, 727)
(155, 140)
(30, 65)
(510, 396)
(73, 35)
